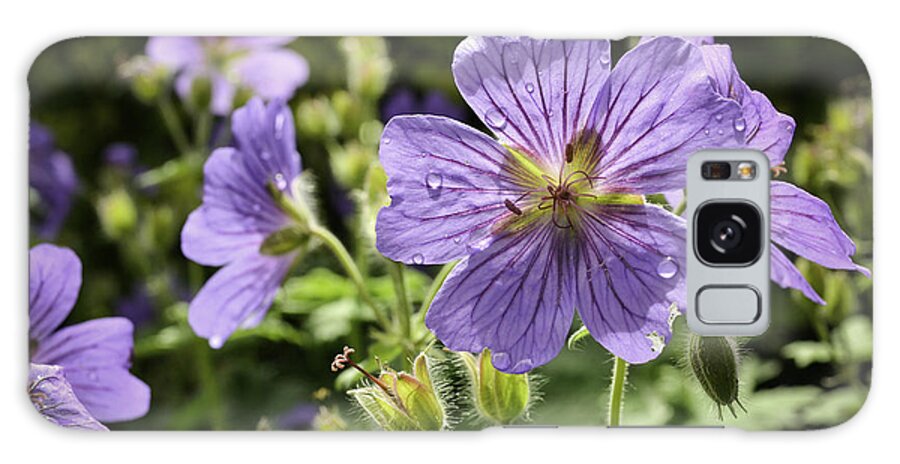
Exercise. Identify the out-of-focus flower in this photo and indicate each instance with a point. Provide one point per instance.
(52, 176)
(243, 223)
(405, 101)
(95, 355)
(301, 417)
(551, 217)
(53, 397)
(801, 222)
(121, 155)
(137, 307)
(228, 65)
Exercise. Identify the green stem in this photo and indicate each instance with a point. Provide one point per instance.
(209, 384)
(404, 309)
(173, 124)
(202, 130)
(436, 286)
(341, 253)
(617, 391)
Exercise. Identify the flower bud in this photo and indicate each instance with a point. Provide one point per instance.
(201, 94)
(500, 398)
(317, 120)
(714, 363)
(368, 65)
(147, 78)
(397, 400)
(118, 214)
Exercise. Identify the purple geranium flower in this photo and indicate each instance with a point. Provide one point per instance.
(53, 397)
(801, 222)
(405, 101)
(52, 176)
(94, 354)
(550, 217)
(239, 213)
(259, 64)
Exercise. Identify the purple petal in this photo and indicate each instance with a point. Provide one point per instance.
(53, 397)
(272, 74)
(175, 52)
(804, 224)
(447, 184)
(692, 39)
(534, 94)
(258, 43)
(656, 109)
(238, 295)
(223, 90)
(54, 280)
(238, 210)
(515, 297)
(764, 127)
(96, 356)
(630, 270)
(786, 275)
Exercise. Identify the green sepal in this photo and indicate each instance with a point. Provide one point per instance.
(284, 241)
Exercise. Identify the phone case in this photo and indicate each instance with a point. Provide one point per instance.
(435, 233)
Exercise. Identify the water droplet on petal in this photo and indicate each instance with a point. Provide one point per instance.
(788, 127)
(265, 155)
(720, 132)
(495, 119)
(529, 87)
(279, 125)
(386, 140)
(418, 259)
(705, 131)
(667, 268)
(719, 117)
(92, 375)
(457, 240)
(604, 59)
(280, 181)
(216, 342)
(434, 180)
(501, 360)
(740, 124)
(257, 207)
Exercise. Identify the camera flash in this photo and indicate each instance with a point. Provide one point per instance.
(746, 170)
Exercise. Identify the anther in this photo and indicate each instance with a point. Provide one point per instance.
(570, 152)
(512, 207)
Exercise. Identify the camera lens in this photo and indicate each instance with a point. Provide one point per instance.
(728, 233)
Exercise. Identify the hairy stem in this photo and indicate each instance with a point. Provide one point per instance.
(617, 392)
(341, 253)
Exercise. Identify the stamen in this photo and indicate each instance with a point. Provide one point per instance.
(342, 360)
(779, 170)
(512, 207)
(570, 152)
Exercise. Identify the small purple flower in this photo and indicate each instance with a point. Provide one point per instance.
(121, 155)
(94, 354)
(54, 398)
(239, 213)
(551, 217)
(801, 222)
(52, 176)
(259, 64)
(405, 101)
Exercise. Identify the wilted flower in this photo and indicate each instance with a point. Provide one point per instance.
(499, 397)
(404, 101)
(52, 176)
(243, 224)
(95, 355)
(801, 222)
(228, 65)
(53, 397)
(397, 400)
(551, 217)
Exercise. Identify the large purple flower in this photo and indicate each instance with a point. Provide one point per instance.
(550, 217)
(801, 223)
(95, 355)
(52, 176)
(239, 214)
(259, 64)
(52, 395)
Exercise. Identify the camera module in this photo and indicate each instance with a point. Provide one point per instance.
(728, 233)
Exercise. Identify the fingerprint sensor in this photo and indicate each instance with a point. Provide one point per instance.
(727, 304)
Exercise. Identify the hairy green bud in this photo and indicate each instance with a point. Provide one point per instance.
(398, 400)
(714, 362)
(118, 213)
(500, 398)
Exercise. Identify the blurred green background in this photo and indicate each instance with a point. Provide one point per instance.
(810, 370)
